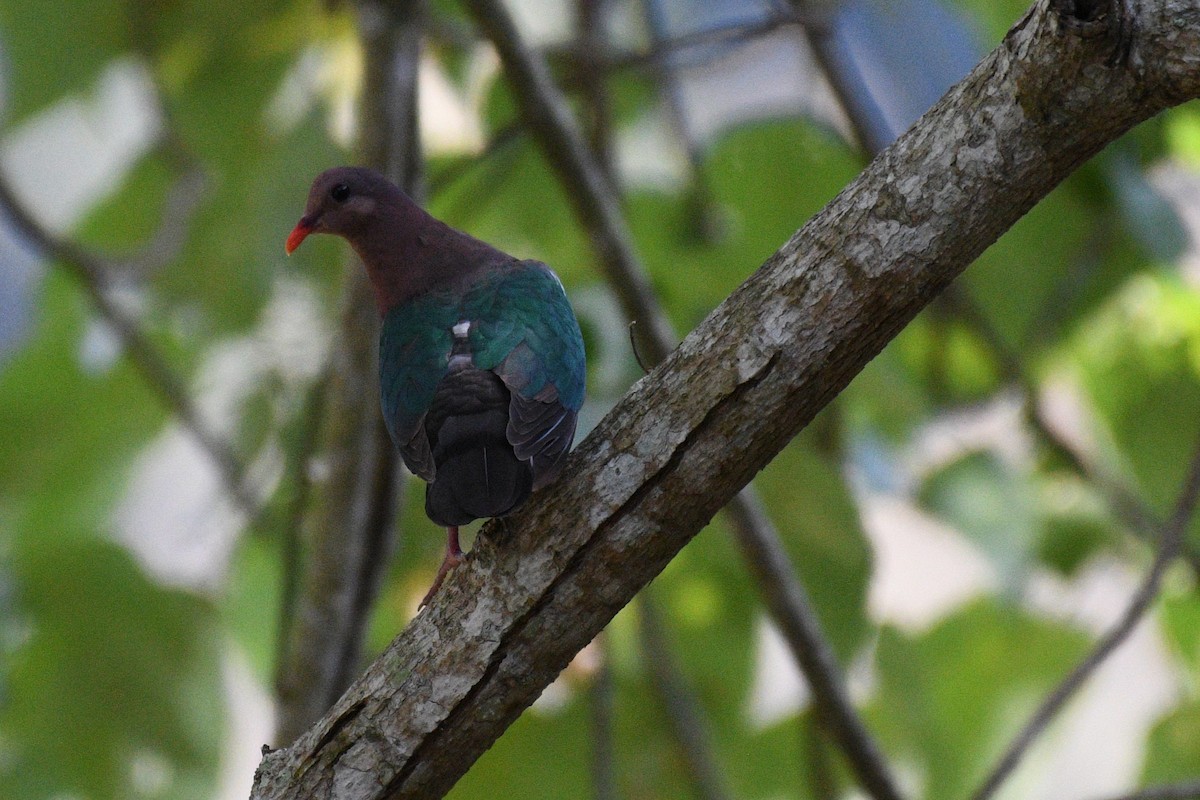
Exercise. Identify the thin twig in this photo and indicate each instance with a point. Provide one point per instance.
(92, 274)
(590, 46)
(791, 609)
(598, 208)
(1187, 790)
(595, 201)
(687, 722)
(1126, 506)
(1170, 544)
(713, 42)
(602, 702)
(633, 347)
(665, 74)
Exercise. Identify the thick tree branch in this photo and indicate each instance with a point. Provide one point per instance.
(598, 208)
(688, 436)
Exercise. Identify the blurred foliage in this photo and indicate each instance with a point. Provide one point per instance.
(111, 683)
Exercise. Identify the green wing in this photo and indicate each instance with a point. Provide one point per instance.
(414, 347)
(522, 328)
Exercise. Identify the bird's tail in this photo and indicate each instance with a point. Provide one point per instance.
(477, 473)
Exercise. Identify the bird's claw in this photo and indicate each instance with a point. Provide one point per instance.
(452, 560)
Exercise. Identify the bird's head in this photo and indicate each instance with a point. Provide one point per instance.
(343, 201)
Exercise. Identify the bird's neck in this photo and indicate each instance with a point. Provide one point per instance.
(411, 253)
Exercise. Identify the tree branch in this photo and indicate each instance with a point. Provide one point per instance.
(1171, 539)
(595, 201)
(94, 274)
(791, 609)
(687, 437)
(687, 723)
(597, 206)
(1187, 790)
(713, 42)
(350, 528)
(602, 704)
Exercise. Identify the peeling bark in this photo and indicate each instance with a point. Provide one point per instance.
(1068, 79)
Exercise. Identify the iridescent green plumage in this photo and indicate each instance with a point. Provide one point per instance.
(481, 361)
(521, 327)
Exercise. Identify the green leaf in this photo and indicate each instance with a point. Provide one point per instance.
(1173, 748)
(69, 431)
(115, 673)
(990, 501)
(693, 270)
(1179, 615)
(951, 698)
(1075, 525)
(1138, 361)
(57, 47)
(1042, 275)
(542, 755)
(250, 606)
(1183, 135)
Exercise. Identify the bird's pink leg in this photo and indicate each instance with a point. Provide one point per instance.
(454, 557)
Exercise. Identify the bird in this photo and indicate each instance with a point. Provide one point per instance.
(481, 358)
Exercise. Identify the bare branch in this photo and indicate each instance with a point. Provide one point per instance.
(791, 609)
(687, 437)
(866, 119)
(93, 274)
(350, 527)
(1170, 544)
(590, 47)
(692, 49)
(596, 203)
(1187, 790)
(687, 722)
(603, 739)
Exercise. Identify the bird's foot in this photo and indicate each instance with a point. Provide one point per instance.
(454, 557)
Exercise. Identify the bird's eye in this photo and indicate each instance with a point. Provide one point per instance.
(340, 192)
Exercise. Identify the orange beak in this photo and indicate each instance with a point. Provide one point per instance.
(303, 229)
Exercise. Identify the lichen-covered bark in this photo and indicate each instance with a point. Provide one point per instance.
(1066, 81)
